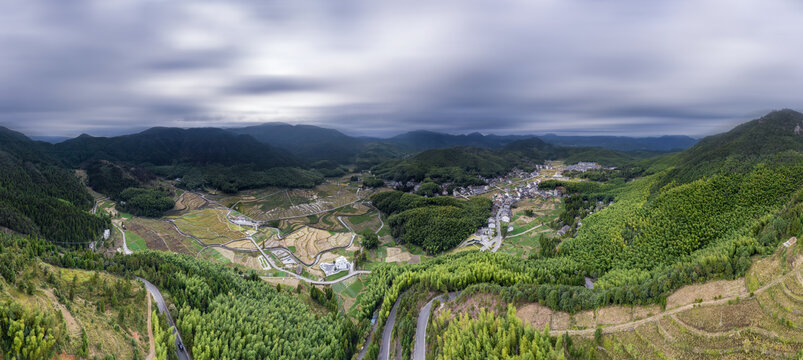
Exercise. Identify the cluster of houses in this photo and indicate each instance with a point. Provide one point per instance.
(340, 264)
(495, 183)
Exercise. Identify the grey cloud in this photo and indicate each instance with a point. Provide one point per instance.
(267, 85)
(380, 68)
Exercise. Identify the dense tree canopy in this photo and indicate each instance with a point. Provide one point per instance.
(436, 224)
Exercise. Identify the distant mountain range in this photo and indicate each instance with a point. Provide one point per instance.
(314, 144)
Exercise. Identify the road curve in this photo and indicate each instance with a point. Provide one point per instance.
(160, 303)
(420, 344)
(384, 346)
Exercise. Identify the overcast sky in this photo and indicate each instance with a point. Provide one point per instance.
(383, 67)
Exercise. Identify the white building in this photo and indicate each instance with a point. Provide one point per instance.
(106, 234)
(340, 264)
(243, 221)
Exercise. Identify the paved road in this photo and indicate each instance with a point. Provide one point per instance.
(420, 345)
(160, 303)
(364, 349)
(384, 346)
(498, 238)
(126, 250)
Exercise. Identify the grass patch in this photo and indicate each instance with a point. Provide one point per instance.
(135, 242)
(356, 220)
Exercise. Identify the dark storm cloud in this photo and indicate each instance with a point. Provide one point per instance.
(380, 68)
(274, 85)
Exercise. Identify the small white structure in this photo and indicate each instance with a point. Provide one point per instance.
(506, 218)
(243, 221)
(340, 264)
(106, 234)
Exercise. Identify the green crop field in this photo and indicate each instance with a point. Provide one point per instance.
(135, 242)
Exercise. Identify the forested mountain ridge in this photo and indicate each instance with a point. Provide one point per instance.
(306, 141)
(623, 143)
(167, 146)
(41, 198)
(20, 146)
(425, 140)
(776, 138)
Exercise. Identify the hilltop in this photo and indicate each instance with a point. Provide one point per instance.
(306, 141)
(164, 146)
(776, 138)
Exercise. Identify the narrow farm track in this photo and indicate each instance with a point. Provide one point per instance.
(634, 324)
(526, 231)
(126, 250)
(381, 223)
(713, 334)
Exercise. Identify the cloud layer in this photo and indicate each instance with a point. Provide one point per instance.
(383, 67)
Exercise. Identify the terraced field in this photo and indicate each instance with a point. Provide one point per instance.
(210, 226)
(309, 241)
(269, 204)
(738, 326)
(713, 320)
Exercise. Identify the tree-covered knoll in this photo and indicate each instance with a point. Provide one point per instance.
(111, 179)
(459, 165)
(149, 202)
(435, 224)
(131, 187)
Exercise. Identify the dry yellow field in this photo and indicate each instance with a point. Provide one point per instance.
(308, 242)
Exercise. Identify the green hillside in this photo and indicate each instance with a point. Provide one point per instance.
(463, 165)
(776, 138)
(202, 157)
(40, 197)
(653, 239)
